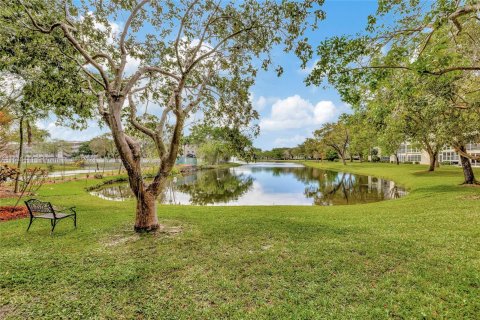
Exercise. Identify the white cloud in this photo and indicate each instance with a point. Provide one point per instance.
(323, 112)
(66, 133)
(261, 102)
(132, 65)
(295, 112)
(289, 142)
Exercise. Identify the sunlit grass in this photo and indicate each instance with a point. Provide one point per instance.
(413, 257)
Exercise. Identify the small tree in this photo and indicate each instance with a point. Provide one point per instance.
(31, 180)
(5, 123)
(221, 143)
(104, 147)
(314, 149)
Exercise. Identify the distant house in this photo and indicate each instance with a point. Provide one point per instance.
(189, 151)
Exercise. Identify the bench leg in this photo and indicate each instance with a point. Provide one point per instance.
(75, 220)
(54, 223)
(29, 225)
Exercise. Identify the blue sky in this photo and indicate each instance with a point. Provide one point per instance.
(289, 110)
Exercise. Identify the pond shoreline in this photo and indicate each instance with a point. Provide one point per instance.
(261, 183)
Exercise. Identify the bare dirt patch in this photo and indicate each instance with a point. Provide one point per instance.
(5, 311)
(170, 230)
(470, 197)
(119, 239)
(7, 193)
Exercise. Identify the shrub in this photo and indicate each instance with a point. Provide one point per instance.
(7, 173)
(446, 163)
(331, 155)
(98, 176)
(81, 163)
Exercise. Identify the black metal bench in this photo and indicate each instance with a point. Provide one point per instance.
(44, 210)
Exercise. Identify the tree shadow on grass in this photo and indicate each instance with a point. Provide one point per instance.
(439, 173)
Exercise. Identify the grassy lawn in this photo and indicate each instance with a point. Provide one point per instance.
(410, 258)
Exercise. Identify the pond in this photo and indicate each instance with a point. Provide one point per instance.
(267, 184)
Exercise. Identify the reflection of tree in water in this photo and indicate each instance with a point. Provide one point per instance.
(343, 188)
(204, 187)
(304, 174)
(215, 186)
(331, 187)
(116, 192)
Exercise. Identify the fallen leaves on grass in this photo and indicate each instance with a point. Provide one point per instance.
(11, 212)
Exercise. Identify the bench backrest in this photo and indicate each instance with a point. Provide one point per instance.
(39, 207)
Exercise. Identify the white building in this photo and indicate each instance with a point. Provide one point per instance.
(409, 153)
(36, 154)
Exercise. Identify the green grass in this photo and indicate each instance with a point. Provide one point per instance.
(410, 258)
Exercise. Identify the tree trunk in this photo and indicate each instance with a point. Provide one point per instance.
(397, 160)
(20, 155)
(29, 134)
(467, 168)
(432, 159)
(343, 160)
(437, 163)
(432, 155)
(146, 219)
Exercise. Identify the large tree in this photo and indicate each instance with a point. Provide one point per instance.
(436, 39)
(192, 55)
(336, 136)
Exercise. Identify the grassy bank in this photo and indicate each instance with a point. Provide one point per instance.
(415, 257)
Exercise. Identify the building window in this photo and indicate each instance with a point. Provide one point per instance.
(473, 146)
(475, 163)
(448, 156)
(411, 149)
(414, 158)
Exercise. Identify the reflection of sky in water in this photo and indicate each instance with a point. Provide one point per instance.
(284, 183)
(259, 194)
(269, 184)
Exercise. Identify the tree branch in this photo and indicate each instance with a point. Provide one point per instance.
(222, 42)
(461, 12)
(123, 50)
(135, 123)
(179, 34)
(107, 57)
(133, 80)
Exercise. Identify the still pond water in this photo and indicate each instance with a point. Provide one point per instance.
(267, 184)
